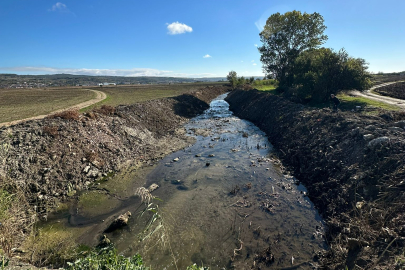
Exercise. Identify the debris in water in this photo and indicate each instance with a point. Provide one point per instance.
(176, 159)
(153, 187)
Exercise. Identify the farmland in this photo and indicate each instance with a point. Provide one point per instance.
(18, 104)
(125, 95)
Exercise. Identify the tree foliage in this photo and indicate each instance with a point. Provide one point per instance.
(284, 37)
(321, 72)
(232, 77)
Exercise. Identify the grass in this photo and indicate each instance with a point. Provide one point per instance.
(126, 95)
(269, 88)
(18, 104)
(350, 103)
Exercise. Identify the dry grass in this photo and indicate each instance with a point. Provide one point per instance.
(15, 217)
(18, 104)
(51, 130)
(67, 115)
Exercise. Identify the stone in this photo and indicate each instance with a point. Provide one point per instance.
(119, 222)
(176, 159)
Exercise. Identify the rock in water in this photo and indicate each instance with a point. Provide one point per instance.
(119, 222)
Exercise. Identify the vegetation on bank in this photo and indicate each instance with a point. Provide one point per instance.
(291, 53)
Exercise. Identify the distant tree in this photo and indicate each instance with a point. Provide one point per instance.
(251, 79)
(241, 81)
(232, 77)
(284, 37)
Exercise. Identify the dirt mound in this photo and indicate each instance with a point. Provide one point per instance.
(353, 167)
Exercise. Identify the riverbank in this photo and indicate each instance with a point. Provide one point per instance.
(47, 161)
(352, 166)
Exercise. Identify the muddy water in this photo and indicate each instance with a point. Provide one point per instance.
(223, 202)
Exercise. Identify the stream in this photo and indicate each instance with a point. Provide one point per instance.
(222, 203)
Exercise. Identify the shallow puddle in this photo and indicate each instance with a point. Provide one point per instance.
(223, 203)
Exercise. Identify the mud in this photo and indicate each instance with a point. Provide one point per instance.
(353, 167)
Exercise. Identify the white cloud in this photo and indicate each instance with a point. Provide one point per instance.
(207, 56)
(242, 61)
(60, 7)
(254, 64)
(134, 72)
(252, 61)
(255, 45)
(178, 28)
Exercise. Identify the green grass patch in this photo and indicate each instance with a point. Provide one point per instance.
(107, 258)
(350, 103)
(269, 88)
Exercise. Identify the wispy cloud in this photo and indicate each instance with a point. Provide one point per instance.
(135, 72)
(255, 45)
(252, 61)
(176, 28)
(60, 7)
(254, 64)
(207, 56)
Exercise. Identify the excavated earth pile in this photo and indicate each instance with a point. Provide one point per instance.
(51, 159)
(353, 166)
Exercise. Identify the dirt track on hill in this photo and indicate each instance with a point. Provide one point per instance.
(100, 96)
(389, 100)
(353, 167)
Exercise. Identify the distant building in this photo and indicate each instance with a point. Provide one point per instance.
(106, 84)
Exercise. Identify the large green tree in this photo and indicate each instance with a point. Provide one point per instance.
(284, 37)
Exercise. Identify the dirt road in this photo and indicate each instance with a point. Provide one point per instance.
(389, 100)
(99, 97)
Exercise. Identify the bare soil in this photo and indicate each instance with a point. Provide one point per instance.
(353, 167)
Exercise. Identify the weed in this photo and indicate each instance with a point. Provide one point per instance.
(106, 258)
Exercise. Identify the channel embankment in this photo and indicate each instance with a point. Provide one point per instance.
(353, 167)
(48, 160)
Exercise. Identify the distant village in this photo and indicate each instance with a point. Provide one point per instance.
(58, 80)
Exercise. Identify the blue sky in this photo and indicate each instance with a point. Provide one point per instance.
(182, 38)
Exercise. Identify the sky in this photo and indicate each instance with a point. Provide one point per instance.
(182, 38)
